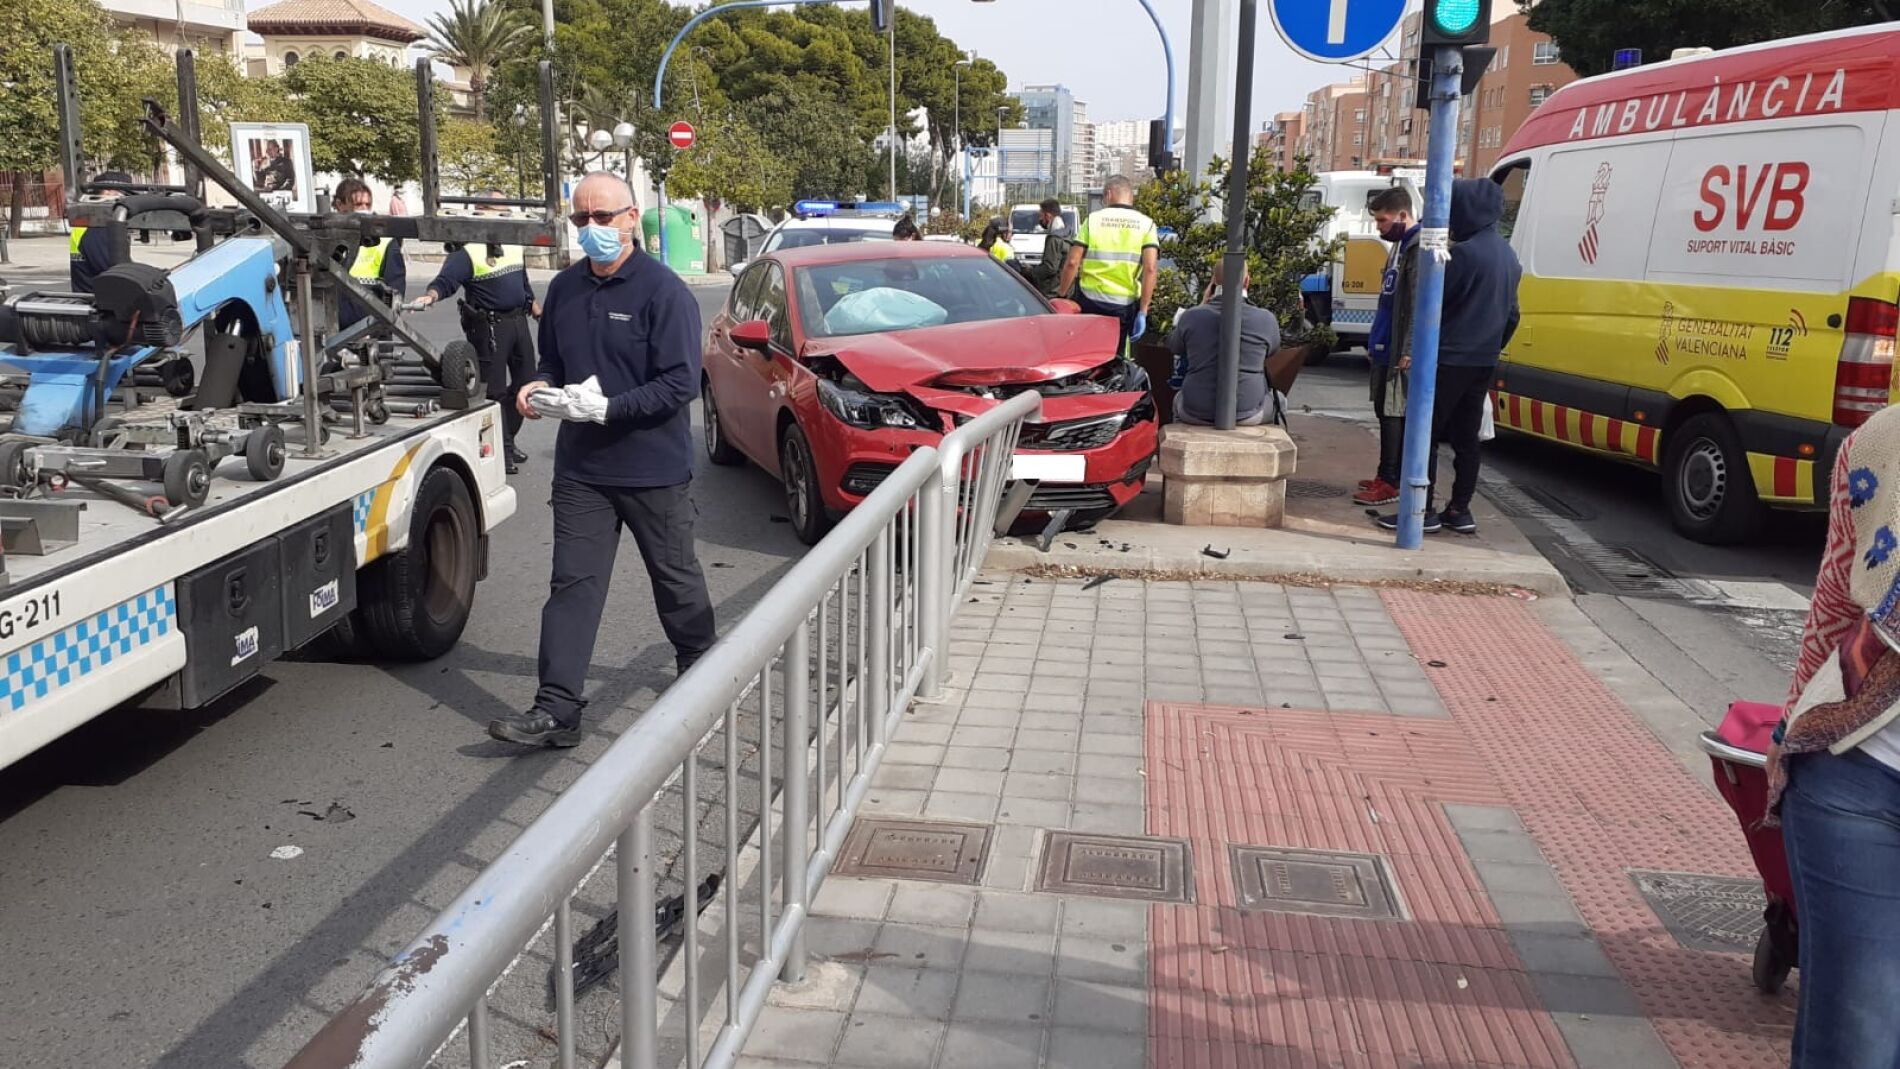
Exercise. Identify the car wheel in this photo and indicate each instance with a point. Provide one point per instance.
(1706, 480)
(802, 497)
(718, 449)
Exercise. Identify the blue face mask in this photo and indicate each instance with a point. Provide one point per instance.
(600, 243)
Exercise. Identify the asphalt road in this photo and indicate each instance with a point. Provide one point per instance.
(143, 920)
(1715, 623)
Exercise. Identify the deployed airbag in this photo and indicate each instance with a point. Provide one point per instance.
(882, 308)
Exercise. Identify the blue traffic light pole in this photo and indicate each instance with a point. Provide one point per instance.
(1434, 243)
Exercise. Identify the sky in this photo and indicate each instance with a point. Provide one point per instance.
(1106, 51)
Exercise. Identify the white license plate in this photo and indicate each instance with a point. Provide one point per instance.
(1050, 467)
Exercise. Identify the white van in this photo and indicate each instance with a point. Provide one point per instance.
(1711, 252)
(1026, 221)
(1355, 277)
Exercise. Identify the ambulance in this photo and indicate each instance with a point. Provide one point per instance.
(1711, 258)
(1357, 273)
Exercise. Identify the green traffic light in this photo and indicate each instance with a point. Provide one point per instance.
(1455, 17)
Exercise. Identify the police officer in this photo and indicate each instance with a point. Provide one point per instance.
(495, 321)
(1115, 261)
(379, 262)
(91, 250)
(620, 363)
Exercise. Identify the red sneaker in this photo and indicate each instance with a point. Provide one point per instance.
(1363, 483)
(1379, 492)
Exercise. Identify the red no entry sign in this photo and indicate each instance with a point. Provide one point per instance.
(681, 134)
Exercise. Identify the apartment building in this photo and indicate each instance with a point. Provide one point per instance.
(203, 25)
(1335, 126)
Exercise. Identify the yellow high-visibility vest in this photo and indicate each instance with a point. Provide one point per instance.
(1002, 251)
(511, 259)
(79, 235)
(369, 260)
(1111, 268)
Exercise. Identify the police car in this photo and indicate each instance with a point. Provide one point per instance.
(830, 222)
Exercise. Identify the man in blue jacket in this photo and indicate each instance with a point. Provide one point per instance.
(1479, 318)
(620, 362)
(1392, 214)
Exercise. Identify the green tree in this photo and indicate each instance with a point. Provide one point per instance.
(731, 163)
(1590, 31)
(817, 137)
(478, 35)
(473, 160)
(362, 116)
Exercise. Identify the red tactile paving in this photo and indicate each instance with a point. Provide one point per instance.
(1531, 729)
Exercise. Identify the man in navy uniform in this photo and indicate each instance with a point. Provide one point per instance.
(495, 314)
(620, 363)
(92, 251)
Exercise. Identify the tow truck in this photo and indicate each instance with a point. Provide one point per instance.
(201, 472)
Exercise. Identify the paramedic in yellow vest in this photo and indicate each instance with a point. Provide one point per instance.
(995, 240)
(91, 247)
(495, 307)
(381, 261)
(1115, 261)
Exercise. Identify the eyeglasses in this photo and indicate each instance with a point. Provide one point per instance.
(599, 218)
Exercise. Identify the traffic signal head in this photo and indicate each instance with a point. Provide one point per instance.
(883, 13)
(1456, 22)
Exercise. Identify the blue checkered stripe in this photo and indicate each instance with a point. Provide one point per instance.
(360, 509)
(54, 662)
(1354, 316)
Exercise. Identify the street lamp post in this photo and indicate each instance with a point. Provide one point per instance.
(957, 128)
(623, 140)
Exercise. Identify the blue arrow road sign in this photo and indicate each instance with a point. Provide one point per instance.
(1334, 31)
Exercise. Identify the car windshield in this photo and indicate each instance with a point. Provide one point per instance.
(867, 296)
(806, 238)
(1029, 221)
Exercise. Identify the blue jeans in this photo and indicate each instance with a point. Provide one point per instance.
(1841, 821)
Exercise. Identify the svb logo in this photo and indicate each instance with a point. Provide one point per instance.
(1592, 240)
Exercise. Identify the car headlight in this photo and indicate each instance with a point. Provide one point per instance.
(1143, 412)
(867, 411)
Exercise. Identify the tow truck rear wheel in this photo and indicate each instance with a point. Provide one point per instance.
(1706, 479)
(414, 604)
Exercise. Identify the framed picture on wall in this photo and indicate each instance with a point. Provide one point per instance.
(275, 159)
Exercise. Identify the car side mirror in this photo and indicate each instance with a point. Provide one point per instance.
(754, 334)
(1065, 306)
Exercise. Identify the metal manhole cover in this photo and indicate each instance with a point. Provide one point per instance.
(1313, 489)
(1325, 882)
(1117, 866)
(915, 850)
(1717, 913)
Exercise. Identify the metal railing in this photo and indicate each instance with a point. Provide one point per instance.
(826, 663)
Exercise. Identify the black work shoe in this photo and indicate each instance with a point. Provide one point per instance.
(1390, 522)
(516, 456)
(533, 728)
(1459, 520)
(685, 661)
(510, 467)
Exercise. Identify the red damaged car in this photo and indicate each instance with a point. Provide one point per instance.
(830, 365)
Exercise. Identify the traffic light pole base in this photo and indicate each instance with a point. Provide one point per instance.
(1215, 478)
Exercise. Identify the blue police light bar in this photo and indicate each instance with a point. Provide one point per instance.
(1627, 58)
(809, 208)
(813, 209)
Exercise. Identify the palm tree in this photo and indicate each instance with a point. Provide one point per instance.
(478, 35)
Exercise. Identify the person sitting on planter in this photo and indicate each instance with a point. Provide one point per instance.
(1196, 342)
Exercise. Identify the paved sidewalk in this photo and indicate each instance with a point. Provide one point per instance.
(1237, 824)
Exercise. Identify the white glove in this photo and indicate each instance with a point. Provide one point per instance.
(582, 403)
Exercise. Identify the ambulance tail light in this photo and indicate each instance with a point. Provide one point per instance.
(1863, 378)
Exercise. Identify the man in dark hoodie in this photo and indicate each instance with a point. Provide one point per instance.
(1479, 318)
(1392, 215)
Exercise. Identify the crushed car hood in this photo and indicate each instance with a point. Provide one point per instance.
(948, 367)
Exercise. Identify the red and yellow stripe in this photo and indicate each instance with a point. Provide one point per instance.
(1574, 426)
(1782, 480)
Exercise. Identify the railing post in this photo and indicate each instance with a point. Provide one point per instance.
(877, 684)
(936, 512)
(794, 834)
(639, 954)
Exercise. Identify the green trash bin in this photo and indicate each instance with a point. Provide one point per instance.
(685, 249)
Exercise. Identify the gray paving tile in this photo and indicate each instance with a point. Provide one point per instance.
(1534, 911)
(991, 1045)
(1109, 819)
(749, 1062)
(893, 803)
(832, 937)
(828, 985)
(1105, 723)
(1120, 671)
(1504, 877)
(980, 758)
(990, 996)
(989, 716)
(875, 1041)
(1108, 790)
(1501, 846)
(1002, 911)
(1000, 665)
(969, 781)
(1484, 818)
(1103, 766)
(1106, 919)
(937, 905)
(928, 734)
(982, 736)
(1111, 962)
(1012, 852)
(926, 993)
(1035, 762)
(1048, 785)
(1613, 1042)
(1593, 996)
(1114, 745)
(1089, 1048)
(953, 805)
(1033, 721)
(1241, 696)
(1062, 670)
(1572, 954)
(911, 753)
(904, 777)
(919, 947)
(804, 1034)
(1035, 812)
(1008, 683)
(1086, 1004)
(1022, 953)
(842, 896)
(1057, 741)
